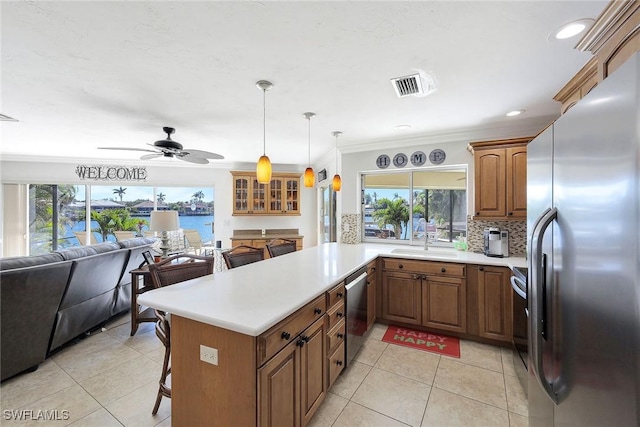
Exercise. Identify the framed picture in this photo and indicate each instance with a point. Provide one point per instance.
(148, 257)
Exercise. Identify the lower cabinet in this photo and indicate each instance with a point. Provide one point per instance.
(401, 297)
(293, 384)
(372, 285)
(444, 303)
(494, 303)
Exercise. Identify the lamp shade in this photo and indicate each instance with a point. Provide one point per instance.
(263, 170)
(337, 182)
(309, 177)
(164, 221)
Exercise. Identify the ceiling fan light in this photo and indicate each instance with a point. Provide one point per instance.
(309, 177)
(263, 170)
(337, 182)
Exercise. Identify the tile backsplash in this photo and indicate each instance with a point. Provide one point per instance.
(517, 235)
(351, 225)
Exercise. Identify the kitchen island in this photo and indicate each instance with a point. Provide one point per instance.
(245, 314)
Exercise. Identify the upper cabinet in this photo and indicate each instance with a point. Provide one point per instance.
(612, 39)
(500, 179)
(280, 197)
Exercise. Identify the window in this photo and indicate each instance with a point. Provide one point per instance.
(414, 205)
(112, 209)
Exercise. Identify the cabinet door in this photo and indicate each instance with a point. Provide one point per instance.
(401, 297)
(444, 303)
(516, 182)
(275, 196)
(494, 303)
(490, 188)
(241, 193)
(279, 389)
(258, 197)
(313, 373)
(292, 195)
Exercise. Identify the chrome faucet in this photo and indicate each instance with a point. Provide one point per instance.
(423, 222)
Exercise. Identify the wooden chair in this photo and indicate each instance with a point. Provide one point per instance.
(241, 255)
(280, 246)
(169, 271)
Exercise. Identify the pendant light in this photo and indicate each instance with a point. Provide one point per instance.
(263, 168)
(309, 176)
(337, 181)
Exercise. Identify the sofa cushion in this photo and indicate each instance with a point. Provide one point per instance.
(10, 263)
(138, 241)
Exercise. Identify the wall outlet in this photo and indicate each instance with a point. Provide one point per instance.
(209, 355)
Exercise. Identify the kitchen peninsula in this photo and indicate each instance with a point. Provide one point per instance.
(268, 322)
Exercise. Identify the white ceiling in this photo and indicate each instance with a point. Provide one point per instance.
(81, 75)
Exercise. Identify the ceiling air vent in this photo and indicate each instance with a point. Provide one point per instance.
(4, 118)
(419, 84)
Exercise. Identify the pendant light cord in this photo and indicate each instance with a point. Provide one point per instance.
(264, 122)
(309, 139)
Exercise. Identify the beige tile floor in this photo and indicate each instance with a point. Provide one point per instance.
(110, 379)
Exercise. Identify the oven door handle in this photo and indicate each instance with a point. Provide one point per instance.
(518, 285)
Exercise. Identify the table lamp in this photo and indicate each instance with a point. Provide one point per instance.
(164, 221)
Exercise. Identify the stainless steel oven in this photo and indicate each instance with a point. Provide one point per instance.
(520, 323)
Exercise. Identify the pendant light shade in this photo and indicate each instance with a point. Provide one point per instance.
(309, 175)
(337, 181)
(263, 168)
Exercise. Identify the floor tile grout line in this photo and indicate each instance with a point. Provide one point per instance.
(424, 414)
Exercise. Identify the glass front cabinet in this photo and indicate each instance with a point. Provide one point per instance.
(280, 197)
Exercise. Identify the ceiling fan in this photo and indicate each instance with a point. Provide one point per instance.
(170, 148)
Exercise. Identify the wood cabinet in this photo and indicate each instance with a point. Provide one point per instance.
(500, 182)
(494, 303)
(372, 289)
(336, 332)
(262, 243)
(280, 197)
(426, 293)
(293, 384)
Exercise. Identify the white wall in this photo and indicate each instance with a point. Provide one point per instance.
(220, 178)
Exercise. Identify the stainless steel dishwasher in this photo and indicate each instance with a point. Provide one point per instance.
(356, 287)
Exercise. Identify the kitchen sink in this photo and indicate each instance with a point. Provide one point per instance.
(431, 253)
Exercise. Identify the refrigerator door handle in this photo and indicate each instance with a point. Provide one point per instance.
(538, 323)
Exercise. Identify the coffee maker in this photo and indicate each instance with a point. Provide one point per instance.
(496, 242)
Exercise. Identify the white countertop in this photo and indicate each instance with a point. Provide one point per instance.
(254, 297)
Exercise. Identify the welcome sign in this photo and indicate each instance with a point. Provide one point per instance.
(111, 173)
(427, 341)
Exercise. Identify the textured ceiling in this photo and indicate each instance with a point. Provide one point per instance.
(81, 75)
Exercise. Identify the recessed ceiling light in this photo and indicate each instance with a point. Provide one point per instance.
(514, 113)
(403, 127)
(570, 29)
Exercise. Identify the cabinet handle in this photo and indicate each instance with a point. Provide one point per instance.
(416, 276)
(338, 314)
(317, 310)
(339, 294)
(304, 338)
(424, 277)
(477, 213)
(339, 362)
(481, 268)
(510, 213)
(340, 335)
(444, 270)
(400, 266)
(300, 342)
(285, 335)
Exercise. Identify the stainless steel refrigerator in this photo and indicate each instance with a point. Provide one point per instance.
(583, 289)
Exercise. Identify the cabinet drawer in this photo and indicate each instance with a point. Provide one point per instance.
(335, 295)
(270, 342)
(428, 267)
(240, 242)
(336, 335)
(335, 314)
(336, 364)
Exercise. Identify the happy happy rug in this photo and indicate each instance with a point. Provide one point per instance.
(427, 341)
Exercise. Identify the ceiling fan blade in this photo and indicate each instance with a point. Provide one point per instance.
(192, 159)
(127, 148)
(203, 154)
(151, 156)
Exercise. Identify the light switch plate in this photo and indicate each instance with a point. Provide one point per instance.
(209, 355)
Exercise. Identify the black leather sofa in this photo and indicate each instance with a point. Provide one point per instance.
(48, 300)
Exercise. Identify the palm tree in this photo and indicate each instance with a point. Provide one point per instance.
(199, 195)
(393, 212)
(161, 197)
(120, 192)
